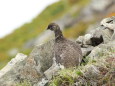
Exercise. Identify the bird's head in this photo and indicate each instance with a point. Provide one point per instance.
(53, 27)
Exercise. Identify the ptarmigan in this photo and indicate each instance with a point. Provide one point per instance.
(67, 53)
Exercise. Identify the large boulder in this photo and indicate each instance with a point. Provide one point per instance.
(29, 68)
(102, 49)
(10, 73)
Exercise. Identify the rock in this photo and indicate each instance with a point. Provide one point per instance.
(86, 51)
(38, 62)
(33, 68)
(97, 37)
(102, 49)
(53, 69)
(84, 40)
(109, 33)
(109, 23)
(43, 82)
(91, 72)
(79, 40)
(87, 39)
(9, 74)
(103, 34)
(113, 36)
(29, 68)
(43, 55)
(92, 39)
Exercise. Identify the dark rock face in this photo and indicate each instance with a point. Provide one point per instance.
(66, 52)
(96, 41)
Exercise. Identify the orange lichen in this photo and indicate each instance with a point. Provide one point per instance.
(110, 15)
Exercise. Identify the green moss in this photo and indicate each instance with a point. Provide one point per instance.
(65, 78)
(79, 73)
(24, 83)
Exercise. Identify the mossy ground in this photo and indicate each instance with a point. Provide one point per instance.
(95, 72)
(24, 83)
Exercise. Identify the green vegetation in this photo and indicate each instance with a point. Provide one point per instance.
(74, 31)
(24, 83)
(31, 30)
(98, 71)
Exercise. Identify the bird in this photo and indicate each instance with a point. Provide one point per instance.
(67, 53)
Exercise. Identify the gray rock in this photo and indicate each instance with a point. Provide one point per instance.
(84, 40)
(91, 71)
(86, 51)
(79, 40)
(92, 39)
(102, 34)
(109, 33)
(97, 37)
(109, 22)
(87, 39)
(38, 62)
(29, 68)
(9, 74)
(43, 55)
(52, 70)
(113, 36)
(43, 82)
(101, 50)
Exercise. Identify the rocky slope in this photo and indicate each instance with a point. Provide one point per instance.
(39, 68)
(74, 17)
